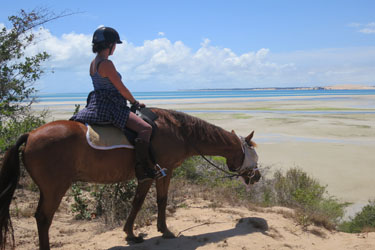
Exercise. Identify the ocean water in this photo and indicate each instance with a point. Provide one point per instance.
(207, 94)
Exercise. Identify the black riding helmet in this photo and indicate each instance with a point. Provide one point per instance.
(107, 35)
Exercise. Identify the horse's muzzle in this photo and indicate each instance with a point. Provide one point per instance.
(255, 176)
(252, 177)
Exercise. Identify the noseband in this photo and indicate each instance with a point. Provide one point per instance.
(247, 159)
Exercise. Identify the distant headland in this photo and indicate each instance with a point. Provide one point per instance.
(332, 87)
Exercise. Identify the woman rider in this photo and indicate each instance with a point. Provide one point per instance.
(108, 102)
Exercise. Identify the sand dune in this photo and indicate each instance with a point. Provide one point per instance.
(349, 86)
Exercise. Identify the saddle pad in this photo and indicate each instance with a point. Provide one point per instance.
(106, 137)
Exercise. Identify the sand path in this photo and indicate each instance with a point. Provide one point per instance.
(198, 226)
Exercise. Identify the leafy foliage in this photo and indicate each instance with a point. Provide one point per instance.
(294, 189)
(79, 207)
(113, 201)
(298, 190)
(16, 127)
(362, 221)
(18, 73)
(110, 202)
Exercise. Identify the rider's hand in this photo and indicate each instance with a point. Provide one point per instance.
(135, 106)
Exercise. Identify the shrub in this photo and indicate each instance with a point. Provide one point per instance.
(362, 221)
(80, 203)
(13, 128)
(296, 189)
(293, 189)
(113, 201)
(189, 170)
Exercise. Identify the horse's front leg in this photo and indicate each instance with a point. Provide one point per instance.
(162, 186)
(139, 198)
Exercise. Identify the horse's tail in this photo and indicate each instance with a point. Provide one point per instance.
(9, 176)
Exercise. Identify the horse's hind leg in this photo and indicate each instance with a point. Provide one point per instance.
(49, 201)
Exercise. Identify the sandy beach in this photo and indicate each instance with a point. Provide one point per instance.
(330, 137)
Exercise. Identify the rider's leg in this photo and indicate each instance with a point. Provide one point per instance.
(142, 128)
(144, 169)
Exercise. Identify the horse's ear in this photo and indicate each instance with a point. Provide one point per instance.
(249, 137)
(233, 132)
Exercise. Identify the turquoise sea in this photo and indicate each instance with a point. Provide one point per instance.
(200, 94)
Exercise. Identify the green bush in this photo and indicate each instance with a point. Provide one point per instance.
(294, 189)
(13, 128)
(114, 201)
(110, 202)
(362, 221)
(79, 207)
(196, 170)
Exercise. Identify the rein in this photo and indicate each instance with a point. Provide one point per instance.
(229, 174)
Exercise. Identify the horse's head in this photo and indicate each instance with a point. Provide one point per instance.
(245, 162)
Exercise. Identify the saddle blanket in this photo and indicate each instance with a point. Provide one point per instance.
(106, 137)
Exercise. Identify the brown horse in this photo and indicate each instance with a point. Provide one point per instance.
(57, 154)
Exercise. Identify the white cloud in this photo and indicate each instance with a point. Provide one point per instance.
(67, 50)
(160, 64)
(368, 28)
(161, 33)
(354, 25)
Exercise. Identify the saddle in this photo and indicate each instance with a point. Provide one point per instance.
(106, 136)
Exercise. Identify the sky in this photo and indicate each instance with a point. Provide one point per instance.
(191, 44)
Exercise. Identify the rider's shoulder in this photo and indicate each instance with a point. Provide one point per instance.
(107, 64)
(106, 61)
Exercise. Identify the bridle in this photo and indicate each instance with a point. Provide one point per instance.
(239, 171)
(244, 165)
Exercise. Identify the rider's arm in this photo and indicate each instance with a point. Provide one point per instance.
(107, 69)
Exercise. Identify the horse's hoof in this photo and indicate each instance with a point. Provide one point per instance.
(135, 239)
(168, 235)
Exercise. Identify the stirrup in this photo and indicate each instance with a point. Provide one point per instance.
(160, 172)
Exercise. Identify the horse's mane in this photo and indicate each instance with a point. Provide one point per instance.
(190, 128)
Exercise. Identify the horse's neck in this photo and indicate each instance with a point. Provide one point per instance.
(225, 148)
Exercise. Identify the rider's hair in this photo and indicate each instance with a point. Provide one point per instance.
(98, 47)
